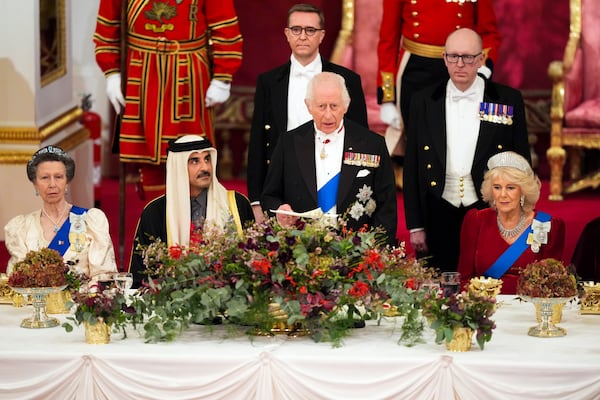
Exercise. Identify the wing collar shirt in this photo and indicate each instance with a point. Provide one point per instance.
(300, 75)
(462, 131)
(329, 149)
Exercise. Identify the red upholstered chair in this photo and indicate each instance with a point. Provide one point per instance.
(575, 111)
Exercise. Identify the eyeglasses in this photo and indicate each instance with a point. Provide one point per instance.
(466, 58)
(309, 30)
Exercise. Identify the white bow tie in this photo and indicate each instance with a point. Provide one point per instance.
(306, 73)
(456, 96)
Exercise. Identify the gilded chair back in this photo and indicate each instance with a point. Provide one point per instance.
(575, 109)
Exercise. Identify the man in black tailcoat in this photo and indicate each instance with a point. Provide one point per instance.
(279, 99)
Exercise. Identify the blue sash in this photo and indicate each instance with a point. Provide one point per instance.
(61, 241)
(327, 195)
(508, 258)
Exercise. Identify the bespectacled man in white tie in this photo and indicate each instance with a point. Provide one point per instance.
(453, 129)
(279, 99)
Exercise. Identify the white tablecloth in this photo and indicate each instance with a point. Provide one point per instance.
(53, 364)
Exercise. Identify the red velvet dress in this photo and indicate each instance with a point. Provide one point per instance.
(481, 244)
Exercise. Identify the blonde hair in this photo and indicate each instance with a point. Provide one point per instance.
(528, 182)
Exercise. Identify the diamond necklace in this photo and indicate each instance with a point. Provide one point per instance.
(56, 227)
(510, 233)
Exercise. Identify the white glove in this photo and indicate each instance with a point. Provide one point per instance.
(114, 93)
(217, 93)
(485, 71)
(389, 115)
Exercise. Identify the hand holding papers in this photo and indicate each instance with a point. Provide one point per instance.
(288, 217)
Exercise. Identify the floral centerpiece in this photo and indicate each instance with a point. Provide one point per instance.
(46, 268)
(548, 284)
(321, 277)
(41, 268)
(40, 274)
(460, 310)
(98, 304)
(547, 278)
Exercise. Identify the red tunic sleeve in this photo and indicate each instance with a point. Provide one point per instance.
(107, 37)
(226, 38)
(390, 32)
(429, 22)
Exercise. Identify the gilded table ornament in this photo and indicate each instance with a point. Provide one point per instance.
(461, 340)
(6, 293)
(557, 311)
(56, 303)
(39, 319)
(484, 286)
(546, 327)
(280, 325)
(98, 333)
(590, 301)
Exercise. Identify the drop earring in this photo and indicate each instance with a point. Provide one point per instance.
(522, 201)
(37, 193)
(67, 190)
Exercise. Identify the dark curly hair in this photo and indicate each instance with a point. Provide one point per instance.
(50, 153)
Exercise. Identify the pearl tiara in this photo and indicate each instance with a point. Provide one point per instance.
(509, 159)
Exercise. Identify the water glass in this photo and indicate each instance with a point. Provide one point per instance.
(450, 283)
(107, 280)
(124, 280)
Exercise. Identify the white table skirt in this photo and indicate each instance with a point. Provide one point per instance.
(53, 364)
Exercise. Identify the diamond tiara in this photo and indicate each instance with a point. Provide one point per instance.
(509, 159)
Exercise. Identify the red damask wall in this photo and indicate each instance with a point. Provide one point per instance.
(534, 32)
(262, 23)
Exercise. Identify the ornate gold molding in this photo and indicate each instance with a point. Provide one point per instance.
(67, 144)
(53, 41)
(53, 127)
(27, 135)
(556, 70)
(574, 34)
(345, 34)
(586, 140)
(75, 139)
(38, 136)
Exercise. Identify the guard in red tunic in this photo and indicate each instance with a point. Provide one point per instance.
(411, 42)
(173, 77)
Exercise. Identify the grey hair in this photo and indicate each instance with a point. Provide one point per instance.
(323, 77)
(50, 153)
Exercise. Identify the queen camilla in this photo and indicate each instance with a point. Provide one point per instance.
(499, 241)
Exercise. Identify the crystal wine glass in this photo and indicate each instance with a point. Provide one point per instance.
(124, 280)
